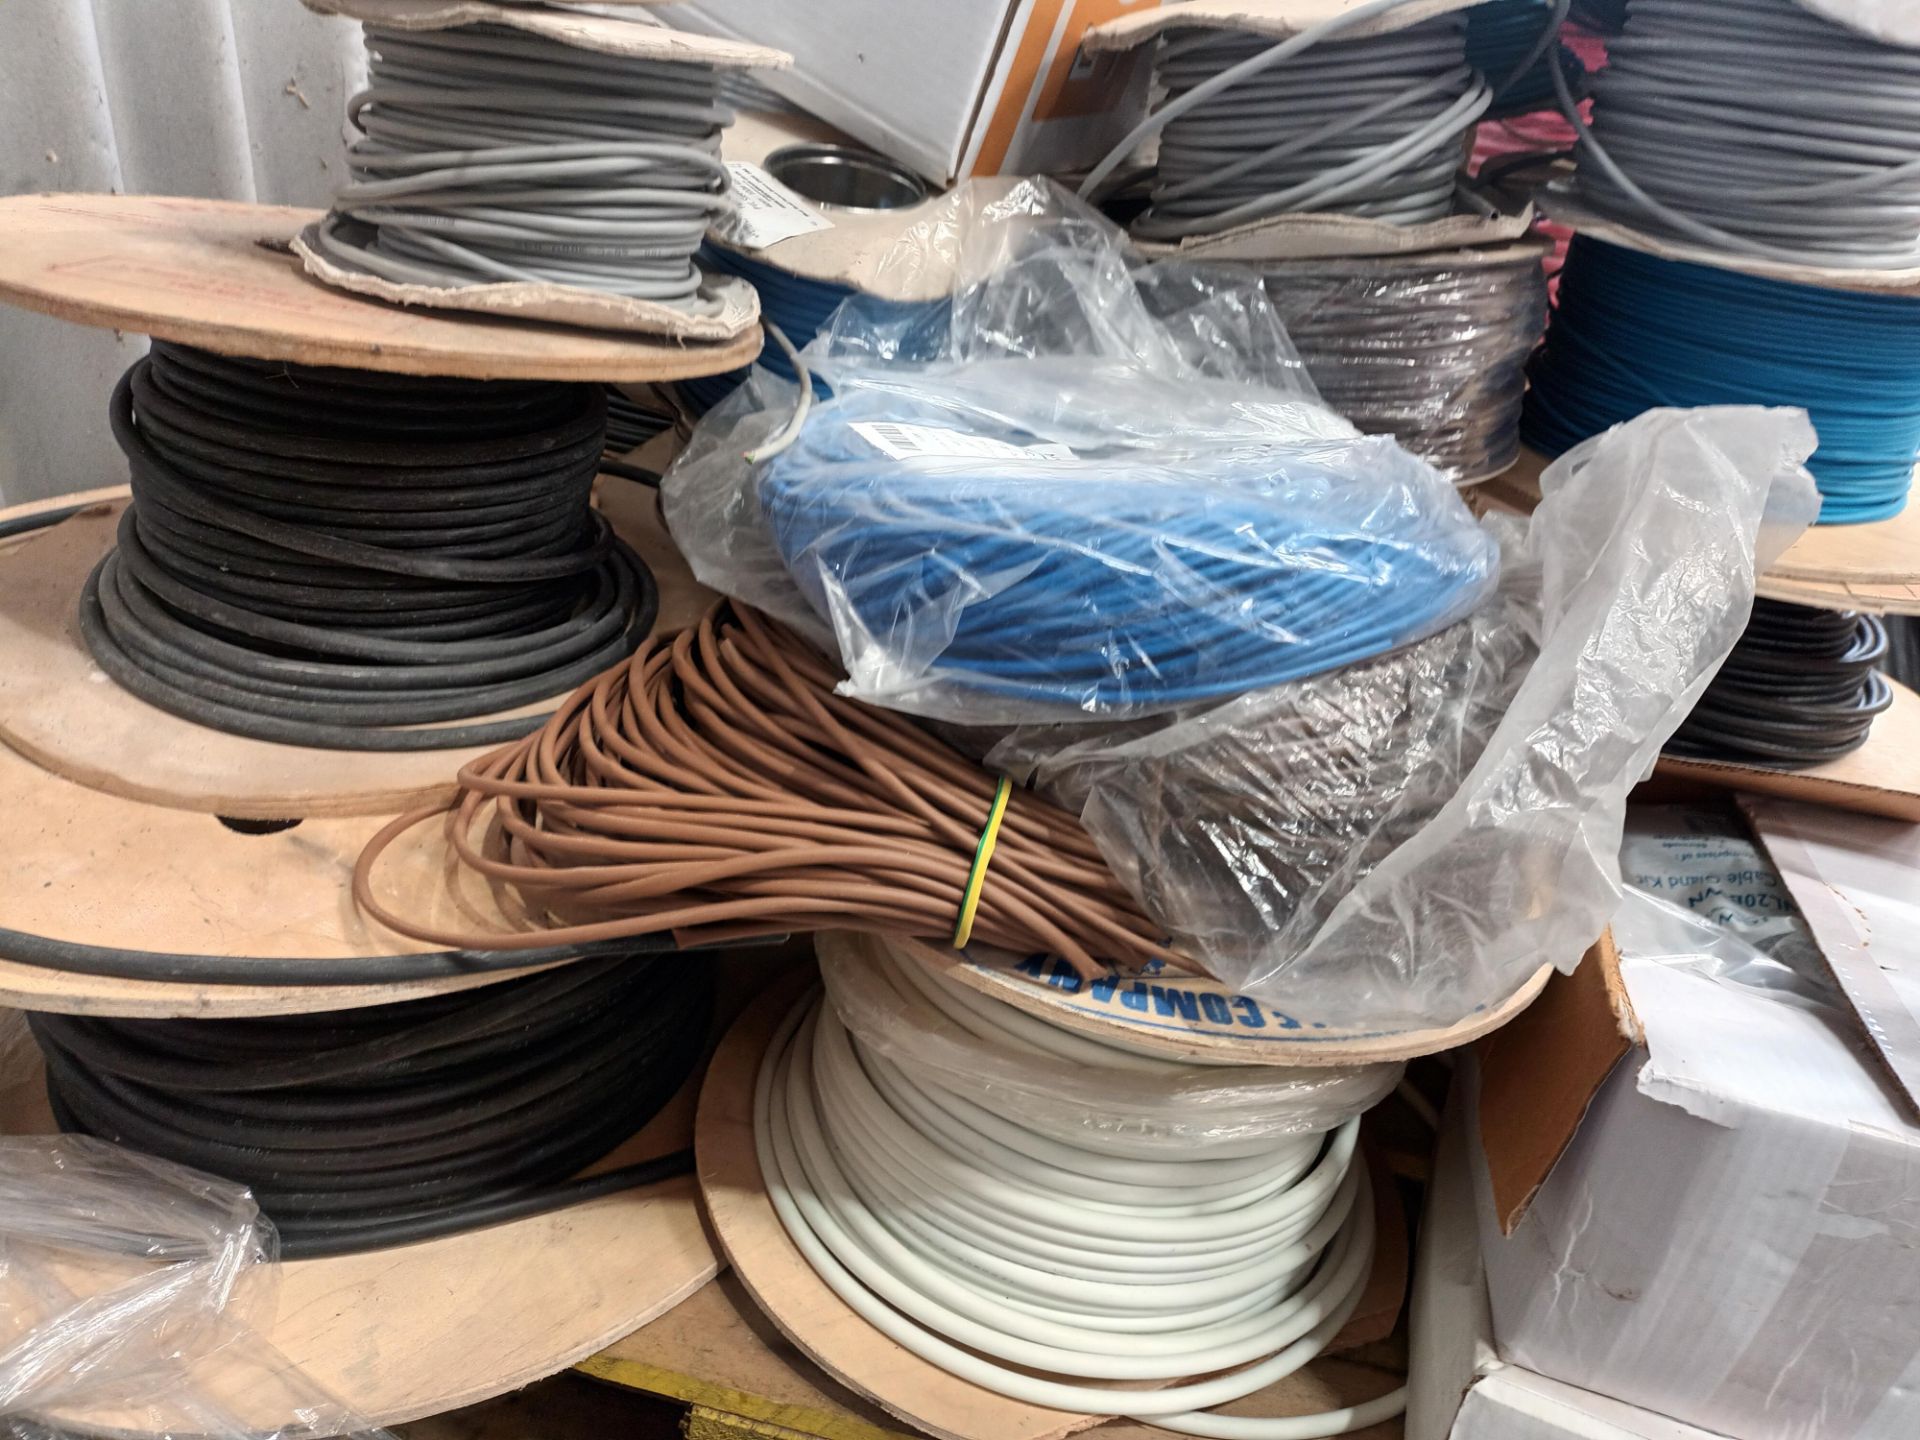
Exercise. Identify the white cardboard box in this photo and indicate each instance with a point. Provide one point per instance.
(1459, 1387)
(1732, 1236)
(952, 88)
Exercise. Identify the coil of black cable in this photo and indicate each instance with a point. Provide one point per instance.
(1802, 686)
(360, 561)
(362, 1129)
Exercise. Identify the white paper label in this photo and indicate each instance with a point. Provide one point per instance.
(906, 442)
(765, 212)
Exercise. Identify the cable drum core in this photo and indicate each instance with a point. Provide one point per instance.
(1430, 349)
(488, 154)
(340, 559)
(361, 1129)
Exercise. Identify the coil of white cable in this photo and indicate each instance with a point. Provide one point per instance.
(979, 1242)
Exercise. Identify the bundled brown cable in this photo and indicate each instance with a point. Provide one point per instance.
(715, 786)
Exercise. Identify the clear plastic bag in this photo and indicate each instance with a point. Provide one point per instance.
(1078, 490)
(1068, 1086)
(1405, 842)
(1430, 349)
(129, 1288)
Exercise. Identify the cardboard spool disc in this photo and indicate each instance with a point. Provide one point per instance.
(1873, 567)
(393, 1335)
(58, 709)
(212, 273)
(798, 1302)
(1195, 1017)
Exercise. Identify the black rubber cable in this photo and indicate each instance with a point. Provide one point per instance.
(347, 560)
(362, 1129)
(1802, 686)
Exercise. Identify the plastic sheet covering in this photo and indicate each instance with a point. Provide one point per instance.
(1430, 349)
(1070, 1086)
(1405, 842)
(1080, 490)
(127, 1287)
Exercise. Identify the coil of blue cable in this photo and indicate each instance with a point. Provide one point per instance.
(800, 306)
(1634, 332)
(1073, 586)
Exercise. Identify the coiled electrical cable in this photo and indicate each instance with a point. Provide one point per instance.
(488, 154)
(1801, 687)
(1247, 823)
(1430, 349)
(361, 1129)
(349, 560)
(631, 424)
(798, 305)
(717, 787)
(1756, 127)
(1089, 586)
(1251, 129)
(1633, 331)
(1508, 42)
(980, 1244)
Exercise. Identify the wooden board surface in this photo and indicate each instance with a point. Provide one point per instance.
(1187, 1017)
(419, 1329)
(1882, 777)
(212, 273)
(1873, 567)
(719, 1354)
(58, 708)
(796, 1303)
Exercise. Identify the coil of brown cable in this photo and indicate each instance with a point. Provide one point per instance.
(715, 786)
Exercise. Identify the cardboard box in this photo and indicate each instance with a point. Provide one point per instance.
(980, 87)
(1704, 1201)
(1460, 1389)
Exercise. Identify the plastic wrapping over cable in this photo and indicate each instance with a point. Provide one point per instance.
(1077, 492)
(1382, 841)
(1080, 1089)
(1632, 331)
(1430, 349)
(489, 154)
(1032, 1266)
(1250, 129)
(1802, 686)
(132, 1296)
(358, 561)
(362, 1129)
(1757, 128)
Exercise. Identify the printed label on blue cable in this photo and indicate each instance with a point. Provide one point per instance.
(765, 212)
(910, 442)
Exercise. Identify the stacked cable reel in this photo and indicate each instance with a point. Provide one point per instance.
(982, 1219)
(1745, 236)
(362, 543)
(1328, 155)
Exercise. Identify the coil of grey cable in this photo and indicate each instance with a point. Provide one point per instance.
(1757, 127)
(1250, 129)
(1430, 349)
(488, 154)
